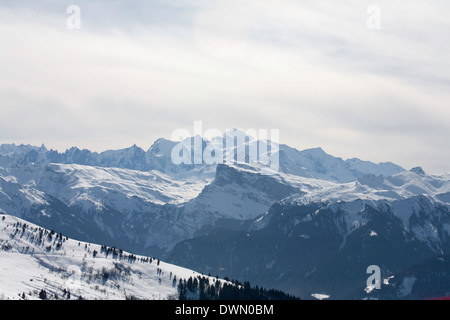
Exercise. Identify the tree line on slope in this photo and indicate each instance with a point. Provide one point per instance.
(201, 288)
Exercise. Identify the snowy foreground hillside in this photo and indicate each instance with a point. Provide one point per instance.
(37, 263)
(40, 264)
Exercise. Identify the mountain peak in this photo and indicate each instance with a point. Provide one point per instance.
(162, 147)
(73, 149)
(134, 147)
(161, 141)
(418, 170)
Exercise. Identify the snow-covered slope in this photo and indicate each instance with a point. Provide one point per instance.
(316, 163)
(371, 187)
(240, 193)
(35, 260)
(70, 182)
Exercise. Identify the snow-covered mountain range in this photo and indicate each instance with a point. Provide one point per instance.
(316, 208)
(312, 163)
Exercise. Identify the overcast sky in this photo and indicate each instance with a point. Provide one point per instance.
(321, 72)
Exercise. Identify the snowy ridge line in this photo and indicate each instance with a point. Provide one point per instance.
(64, 180)
(372, 187)
(312, 163)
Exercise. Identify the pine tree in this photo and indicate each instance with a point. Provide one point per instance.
(174, 282)
(43, 295)
(190, 284)
(182, 290)
(195, 284)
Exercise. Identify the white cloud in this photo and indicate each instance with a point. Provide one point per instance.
(313, 70)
